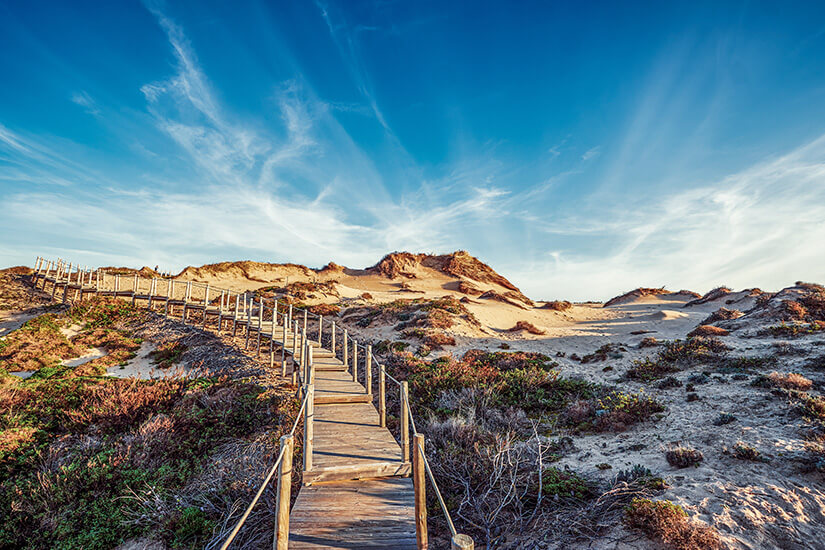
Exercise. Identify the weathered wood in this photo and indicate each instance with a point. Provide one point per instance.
(462, 542)
(332, 345)
(342, 399)
(354, 360)
(405, 423)
(346, 352)
(368, 370)
(283, 351)
(283, 493)
(350, 472)
(419, 483)
(382, 396)
(309, 417)
(354, 515)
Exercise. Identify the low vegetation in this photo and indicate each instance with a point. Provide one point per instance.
(789, 381)
(677, 355)
(708, 330)
(527, 327)
(495, 423)
(681, 456)
(558, 305)
(668, 523)
(90, 461)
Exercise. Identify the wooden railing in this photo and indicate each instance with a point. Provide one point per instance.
(243, 312)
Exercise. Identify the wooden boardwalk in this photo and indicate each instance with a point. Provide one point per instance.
(348, 500)
(357, 491)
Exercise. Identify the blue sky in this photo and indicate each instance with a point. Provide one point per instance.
(581, 150)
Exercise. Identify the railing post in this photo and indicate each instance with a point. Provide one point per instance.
(283, 494)
(220, 311)
(134, 288)
(248, 319)
(419, 485)
(332, 346)
(272, 338)
(187, 294)
(320, 330)
(355, 361)
(152, 291)
(294, 343)
(260, 323)
(368, 371)
(283, 351)
(303, 347)
(235, 315)
(205, 304)
(305, 321)
(310, 365)
(382, 396)
(461, 542)
(309, 416)
(405, 423)
(66, 288)
(346, 350)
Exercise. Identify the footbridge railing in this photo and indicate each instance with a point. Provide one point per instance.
(280, 324)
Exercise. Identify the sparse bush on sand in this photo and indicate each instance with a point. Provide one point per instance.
(527, 326)
(558, 305)
(667, 523)
(743, 451)
(677, 355)
(681, 456)
(708, 330)
(789, 381)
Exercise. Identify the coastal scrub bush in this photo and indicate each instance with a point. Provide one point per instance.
(668, 523)
(681, 456)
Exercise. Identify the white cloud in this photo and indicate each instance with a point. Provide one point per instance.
(760, 227)
(83, 99)
(590, 154)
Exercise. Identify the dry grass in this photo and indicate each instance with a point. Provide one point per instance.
(634, 294)
(722, 314)
(668, 523)
(507, 298)
(715, 294)
(16, 294)
(558, 305)
(790, 381)
(465, 287)
(708, 330)
(526, 326)
(38, 344)
(649, 342)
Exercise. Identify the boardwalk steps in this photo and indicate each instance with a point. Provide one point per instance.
(357, 491)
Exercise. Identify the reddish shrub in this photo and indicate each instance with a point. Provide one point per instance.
(558, 305)
(790, 381)
(708, 330)
(668, 523)
(529, 327)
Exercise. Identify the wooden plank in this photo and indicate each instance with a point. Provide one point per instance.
(357, 471)
(357, 514)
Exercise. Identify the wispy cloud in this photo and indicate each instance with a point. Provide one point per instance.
(83, 99)
(755, 227)
(590, 154)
